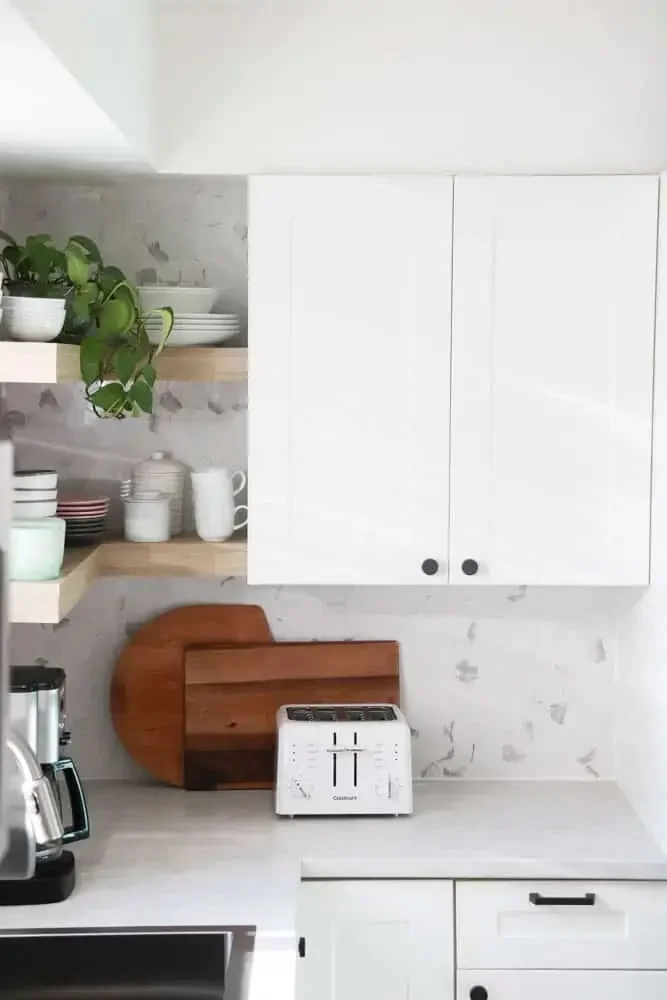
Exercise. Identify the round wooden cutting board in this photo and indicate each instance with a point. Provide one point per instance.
(147, 687)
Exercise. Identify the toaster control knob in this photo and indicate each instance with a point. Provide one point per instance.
(301, 790)
(65, 738)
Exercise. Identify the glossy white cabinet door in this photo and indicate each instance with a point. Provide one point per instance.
(549, 985)
(552, 359)
(376, 941)
(349, 350)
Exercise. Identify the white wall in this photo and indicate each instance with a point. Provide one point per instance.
(496, 682)
(641, 722)
(47, 117)
(108, 48)
(457, 85)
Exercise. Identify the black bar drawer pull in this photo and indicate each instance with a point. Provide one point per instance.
(586, 900)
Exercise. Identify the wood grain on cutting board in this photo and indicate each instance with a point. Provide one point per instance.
(148, 683)
(232, 696)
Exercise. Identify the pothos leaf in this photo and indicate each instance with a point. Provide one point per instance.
(77, 267)
(88, 246)
(109, 397)
(116, 316)
(167, 315)
(91, 355)
(124, 361)
(142, 394)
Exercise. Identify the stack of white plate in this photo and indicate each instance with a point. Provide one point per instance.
(195, 329)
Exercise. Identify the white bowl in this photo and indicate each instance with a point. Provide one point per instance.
(31, 509)
(24, 496)
(33, 304)
(35, 479)
(36, 549)
(180, 298)
(38, 327)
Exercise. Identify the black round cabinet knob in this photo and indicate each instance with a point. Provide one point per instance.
(430, 567)
(470, 567)
(478, 993)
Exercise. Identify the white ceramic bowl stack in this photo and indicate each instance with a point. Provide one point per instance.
(36, 536)
(37, 320)
(35, 494)
(194, 323)
(162, 474)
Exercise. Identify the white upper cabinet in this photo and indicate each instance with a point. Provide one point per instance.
(550, 325)
(552, 360)
(349, 349)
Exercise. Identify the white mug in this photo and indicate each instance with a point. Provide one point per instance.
(213, 491)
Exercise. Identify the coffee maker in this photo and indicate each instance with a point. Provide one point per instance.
(37, 716)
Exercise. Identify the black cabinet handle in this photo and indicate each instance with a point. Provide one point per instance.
(430, 567)
(588, 899)
(469, 566)
(478, 993)
(302, 947)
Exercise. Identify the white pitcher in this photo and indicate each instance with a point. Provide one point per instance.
(213, 492)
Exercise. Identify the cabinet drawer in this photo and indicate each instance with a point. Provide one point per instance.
(561, 925)
(559, 985)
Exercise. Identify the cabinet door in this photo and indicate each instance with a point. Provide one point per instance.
(376, 941)
(349, 350)
(552, 361)
(561, 985)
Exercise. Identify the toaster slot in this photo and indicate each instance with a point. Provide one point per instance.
(356, 757)
(334, 757)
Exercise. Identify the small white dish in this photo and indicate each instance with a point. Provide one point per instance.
(187, 317)
(24, 496)
(180, 298)
(194, 338)
(35, 508)
(35, 479)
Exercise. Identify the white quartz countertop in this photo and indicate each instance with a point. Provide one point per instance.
(160, 857)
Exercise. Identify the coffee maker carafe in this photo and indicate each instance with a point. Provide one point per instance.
(37, 715)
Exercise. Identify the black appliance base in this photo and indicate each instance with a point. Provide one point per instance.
(52, 882)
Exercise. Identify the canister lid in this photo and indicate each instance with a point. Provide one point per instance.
(36, 678)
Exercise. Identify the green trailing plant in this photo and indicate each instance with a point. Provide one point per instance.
(38, 269)
(116, 355)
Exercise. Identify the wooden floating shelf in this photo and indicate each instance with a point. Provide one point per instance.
(55, 363)
(48, 601)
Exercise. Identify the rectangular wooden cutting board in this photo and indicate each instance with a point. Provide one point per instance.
(232, 695)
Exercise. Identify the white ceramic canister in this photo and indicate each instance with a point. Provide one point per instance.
(167, 475)
(147, 516)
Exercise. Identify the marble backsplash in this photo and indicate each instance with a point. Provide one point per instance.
(496, 683)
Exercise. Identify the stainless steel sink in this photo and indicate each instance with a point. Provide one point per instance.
(118, 966)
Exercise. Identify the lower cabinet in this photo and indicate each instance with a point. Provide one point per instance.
(559, 985)
(376, 940)
(482, 940)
